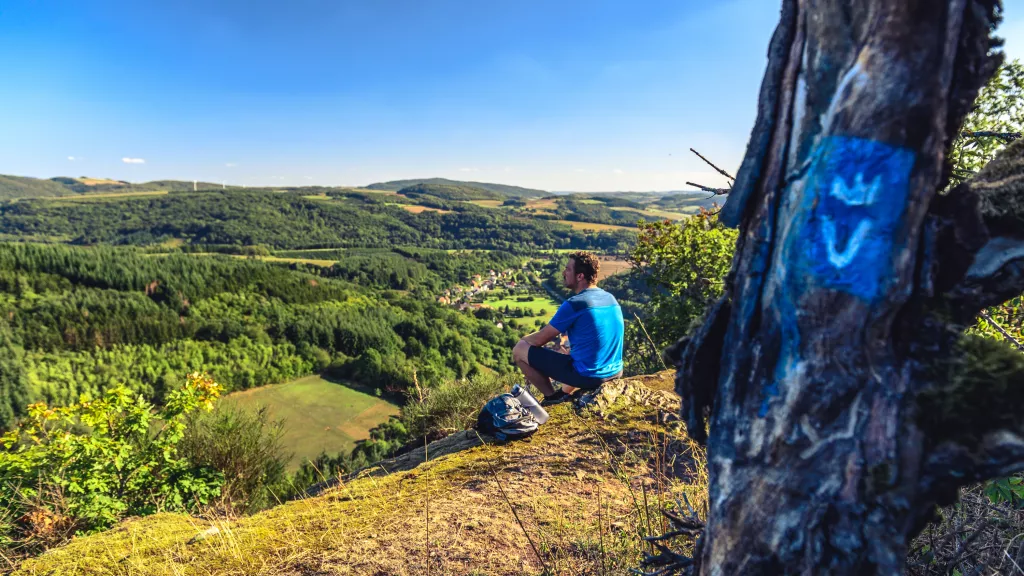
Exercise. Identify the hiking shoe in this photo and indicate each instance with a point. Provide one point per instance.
(556, 398)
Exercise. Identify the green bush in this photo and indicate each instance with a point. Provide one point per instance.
(246, 448)
(452, 405)
(83, 467)
(684, 265)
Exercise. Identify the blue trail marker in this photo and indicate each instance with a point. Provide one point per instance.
(857, 193)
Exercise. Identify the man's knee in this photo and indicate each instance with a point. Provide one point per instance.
(521, 352)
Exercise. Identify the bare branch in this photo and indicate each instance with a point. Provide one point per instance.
(1008, 136)
(1009, 338)
(714, 191)
(720, 171)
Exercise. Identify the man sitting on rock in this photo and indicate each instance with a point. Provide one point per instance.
(592, 320)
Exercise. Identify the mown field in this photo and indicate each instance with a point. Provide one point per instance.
(541, 305)
(318, 415)
(611, 267)
(594, 227)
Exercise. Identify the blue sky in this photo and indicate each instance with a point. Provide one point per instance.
(584, 95)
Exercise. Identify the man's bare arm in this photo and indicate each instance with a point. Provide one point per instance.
(542, 337)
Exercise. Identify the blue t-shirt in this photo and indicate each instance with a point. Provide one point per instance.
(593, 321)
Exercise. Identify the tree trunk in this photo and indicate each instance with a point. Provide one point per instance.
(843, 403)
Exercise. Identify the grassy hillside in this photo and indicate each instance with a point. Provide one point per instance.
(23, 187)
(585, 489)
(504, 189)
(13, 187)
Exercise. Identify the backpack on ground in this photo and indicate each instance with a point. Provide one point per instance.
(505, 418)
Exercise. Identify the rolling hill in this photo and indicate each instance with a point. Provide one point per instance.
(515, 191)
(23, 187)
(15, 187)
(451, 192)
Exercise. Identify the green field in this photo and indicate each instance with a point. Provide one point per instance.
(318, 415)
(540, 302)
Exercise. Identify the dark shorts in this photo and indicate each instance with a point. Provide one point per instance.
(559, 367)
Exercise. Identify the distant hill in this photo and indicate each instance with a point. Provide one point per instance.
(22, 187)
(12, 187)
(513, 191)
(451, 192)
(670, 200)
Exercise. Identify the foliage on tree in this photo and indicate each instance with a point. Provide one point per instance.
(14, 387)
(997, 116)
(996, 119)
(683, 265)
(88, 319)
(454, 192)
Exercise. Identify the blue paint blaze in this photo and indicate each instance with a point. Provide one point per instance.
(846, 219)
(860, 192)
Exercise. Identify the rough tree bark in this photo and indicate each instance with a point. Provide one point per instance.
(843, 403)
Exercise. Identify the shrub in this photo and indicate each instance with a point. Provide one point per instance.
(83, 467)
(246, 448)
(684, 265)
(451, 405)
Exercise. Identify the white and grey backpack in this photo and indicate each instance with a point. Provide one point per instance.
(505, 418)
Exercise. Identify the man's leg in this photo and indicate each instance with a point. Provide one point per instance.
(521, 355)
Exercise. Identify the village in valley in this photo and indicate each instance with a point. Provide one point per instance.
(510, 298)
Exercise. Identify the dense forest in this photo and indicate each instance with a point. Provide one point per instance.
(288, 221)
(597, 212)
(77, 320)
(450, 192)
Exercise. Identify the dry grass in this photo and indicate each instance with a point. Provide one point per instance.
(546, 204)
(974, 537)
(650, 214)
(611, 266)
(488, 203)
(314, 261)
(369, 191)
(592, 226)
(98, 181)
(106, 195)
(416, 209)
(585, 490)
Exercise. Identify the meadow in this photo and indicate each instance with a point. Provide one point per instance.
(540, 305)
(319, 415)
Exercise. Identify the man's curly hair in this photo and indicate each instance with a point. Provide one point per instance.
(586, 263)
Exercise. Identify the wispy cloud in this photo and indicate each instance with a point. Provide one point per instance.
(308, 177)
(469, 170)
(618, 171)
(72, 158)
(231, 164)
(581, 170)
(133, 160)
